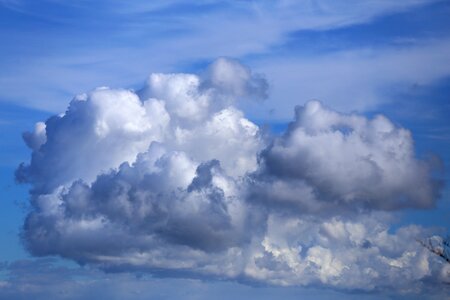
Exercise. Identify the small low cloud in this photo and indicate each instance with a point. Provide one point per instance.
(174, 179)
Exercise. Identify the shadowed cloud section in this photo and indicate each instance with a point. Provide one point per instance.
(174, 179)
(349, 160)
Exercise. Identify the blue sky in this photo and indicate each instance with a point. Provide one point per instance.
(362, 57)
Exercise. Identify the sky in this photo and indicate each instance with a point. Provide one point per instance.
(224, 149)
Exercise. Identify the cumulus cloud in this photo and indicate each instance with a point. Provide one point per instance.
(348, 160)
(99, 130)
(174, 179)
(230, 77)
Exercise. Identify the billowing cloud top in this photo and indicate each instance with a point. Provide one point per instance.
(175, 180)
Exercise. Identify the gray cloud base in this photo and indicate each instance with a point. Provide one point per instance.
(175, 179)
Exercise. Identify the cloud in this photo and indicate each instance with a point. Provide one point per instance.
(106, 127)
(347, 160)
(230, 77)
(43, 279)
(374, 75)
(112, 126)
(170, 31)
(175, 180)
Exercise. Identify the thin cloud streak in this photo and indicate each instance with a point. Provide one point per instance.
(82, 61)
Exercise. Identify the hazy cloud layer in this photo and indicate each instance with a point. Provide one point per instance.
(44, 279)
(173, 179)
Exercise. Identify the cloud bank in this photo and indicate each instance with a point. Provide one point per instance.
(174, 180)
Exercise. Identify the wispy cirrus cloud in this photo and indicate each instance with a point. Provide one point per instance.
(108, 43)
(354, 80)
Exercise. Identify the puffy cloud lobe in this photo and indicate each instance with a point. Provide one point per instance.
(35, 139)
(233, 79)
(193, 98)
(175, 203)
(351, 254)
(180, 93)
(226, 136)
(168, 180)
(349, 160)
(99, 131)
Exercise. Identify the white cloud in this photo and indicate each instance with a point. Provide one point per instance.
(349, 160)
(177, 180)
(353, 79)
(99, 130)
(357, 254)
